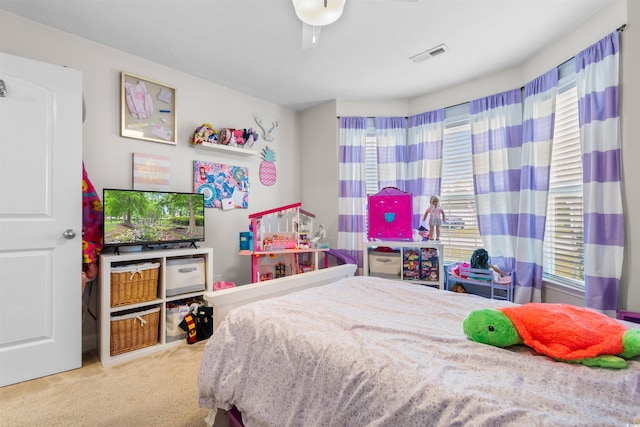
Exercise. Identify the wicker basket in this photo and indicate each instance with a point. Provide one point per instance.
(134, 330)
(134, 283)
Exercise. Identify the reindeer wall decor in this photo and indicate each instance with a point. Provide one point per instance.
(266, 135)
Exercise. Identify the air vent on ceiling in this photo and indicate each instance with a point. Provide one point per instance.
(435, 51)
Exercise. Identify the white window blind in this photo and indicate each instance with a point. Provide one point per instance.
(371, 158)
(563, 240)
(371, 164)
(460, 234)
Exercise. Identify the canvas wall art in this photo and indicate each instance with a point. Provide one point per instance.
(224, 186)
(151, 172)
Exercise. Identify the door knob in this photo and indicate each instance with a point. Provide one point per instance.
(69, 234)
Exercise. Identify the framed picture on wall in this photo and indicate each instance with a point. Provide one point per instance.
(148, 109)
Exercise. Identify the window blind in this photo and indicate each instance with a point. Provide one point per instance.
(460, 234)
(563, 242)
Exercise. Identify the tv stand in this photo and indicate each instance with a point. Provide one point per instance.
(162, 297)
(127, 249)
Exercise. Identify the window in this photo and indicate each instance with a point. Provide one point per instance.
(563, 248)
(370, 165)
(371, 158)
(460, 234)
(563, 241)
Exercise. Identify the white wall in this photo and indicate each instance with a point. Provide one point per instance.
(630, 111)
(108, 156)
(373, 108)
(488, 85)
(318, 128)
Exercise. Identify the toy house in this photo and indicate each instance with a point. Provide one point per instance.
(390, 212)
(281, 243)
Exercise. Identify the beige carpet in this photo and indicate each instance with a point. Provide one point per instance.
(155, 390)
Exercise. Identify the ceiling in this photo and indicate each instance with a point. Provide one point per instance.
(255, 46)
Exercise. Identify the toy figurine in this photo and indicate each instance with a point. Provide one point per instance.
(436, 219)
(320, 235)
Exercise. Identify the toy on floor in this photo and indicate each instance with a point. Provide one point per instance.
(564, 332)
(459, 288)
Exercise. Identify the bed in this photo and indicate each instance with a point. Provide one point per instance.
(367, 351)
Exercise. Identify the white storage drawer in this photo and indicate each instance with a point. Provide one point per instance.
(385, 263)
(185, 275)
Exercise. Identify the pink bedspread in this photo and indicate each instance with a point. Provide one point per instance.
(366, 351)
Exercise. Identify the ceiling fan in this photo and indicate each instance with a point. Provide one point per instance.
(316, 14)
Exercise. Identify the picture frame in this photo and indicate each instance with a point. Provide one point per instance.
(147, 110)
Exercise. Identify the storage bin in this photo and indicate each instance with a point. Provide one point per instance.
(134, 283)
(385, 263)
(175, 312)
(134, 330)
(184, 275)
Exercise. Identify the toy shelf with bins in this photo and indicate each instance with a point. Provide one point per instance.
(163, 257)
(417, 262)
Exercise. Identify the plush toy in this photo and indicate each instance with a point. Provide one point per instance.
(204, 133)
(564, 332)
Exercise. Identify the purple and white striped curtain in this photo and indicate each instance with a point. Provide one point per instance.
(391, 137)
(352, 197)
(537, 134)
(597, 69)
(424, 166)
(496, 146)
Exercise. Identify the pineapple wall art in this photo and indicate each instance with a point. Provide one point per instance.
(267, 171)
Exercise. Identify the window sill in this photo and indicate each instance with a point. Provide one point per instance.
(556, 286)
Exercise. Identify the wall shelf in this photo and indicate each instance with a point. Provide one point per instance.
(228, 149)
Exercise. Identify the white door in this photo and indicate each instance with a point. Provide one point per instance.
(40, 199)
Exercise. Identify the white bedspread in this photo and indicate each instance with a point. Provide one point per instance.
(366, 351)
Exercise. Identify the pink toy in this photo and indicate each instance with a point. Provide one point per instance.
(238, 136)
(390, 212)
(218, 286)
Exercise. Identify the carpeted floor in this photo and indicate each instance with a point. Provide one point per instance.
(155, 390)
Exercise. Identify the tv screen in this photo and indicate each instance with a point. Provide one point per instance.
(135, 217)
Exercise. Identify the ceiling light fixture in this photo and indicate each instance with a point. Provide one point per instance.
(318, 13)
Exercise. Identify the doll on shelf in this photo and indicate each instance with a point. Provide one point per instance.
(320, 235)
(437, 217)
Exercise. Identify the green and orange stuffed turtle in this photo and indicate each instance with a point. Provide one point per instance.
(564, 332)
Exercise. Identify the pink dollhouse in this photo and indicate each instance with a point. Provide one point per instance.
(281, 243)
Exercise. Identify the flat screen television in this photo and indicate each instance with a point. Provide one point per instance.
(155, 219)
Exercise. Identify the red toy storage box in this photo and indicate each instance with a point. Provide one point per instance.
(390, 212)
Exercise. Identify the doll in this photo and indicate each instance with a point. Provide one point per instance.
(436, 217)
